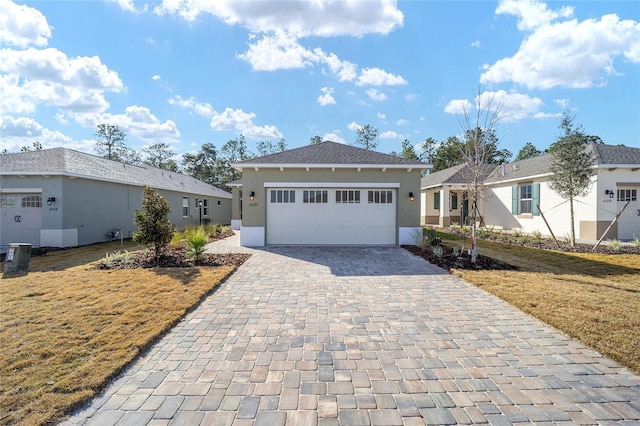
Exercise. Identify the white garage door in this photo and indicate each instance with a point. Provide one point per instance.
(326, 216)
(20, 219)
(629, 222)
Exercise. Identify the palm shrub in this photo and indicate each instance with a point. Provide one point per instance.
(197, 240)
(154, 229)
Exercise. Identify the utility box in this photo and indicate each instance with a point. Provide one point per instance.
(17, 259)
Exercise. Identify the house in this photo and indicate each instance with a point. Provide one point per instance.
(325, 194)
(64, 198)
(518, 196)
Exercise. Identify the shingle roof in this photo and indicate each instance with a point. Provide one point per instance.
(452, 176)
(604, 155)
(64, 161)
(329, 153)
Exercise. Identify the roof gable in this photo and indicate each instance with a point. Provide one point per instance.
(328, 153)
(67, 162)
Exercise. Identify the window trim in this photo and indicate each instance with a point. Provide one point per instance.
(185, 206)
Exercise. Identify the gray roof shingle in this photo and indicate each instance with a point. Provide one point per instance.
(329, 153)
(64, 161)
(455, 175)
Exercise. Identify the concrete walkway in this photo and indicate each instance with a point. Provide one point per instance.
(358, 336)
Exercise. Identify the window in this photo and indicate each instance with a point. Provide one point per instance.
(219, 203)
(525, 199)
(627, 195)
(349, 196)
(32, 201)
(315, 196)
(283, 196)
(454, 201)
(436, 201)
(185, 206)
(7, 200)
(381, 197)
(205, 207)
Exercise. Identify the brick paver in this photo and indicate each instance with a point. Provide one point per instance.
(360, 335)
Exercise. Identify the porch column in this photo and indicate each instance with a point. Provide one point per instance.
(445, 219)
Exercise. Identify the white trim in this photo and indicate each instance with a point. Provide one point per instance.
(407, 235)
(240, 166)
(236, 224)
(372, 185)
(252, 236)
(21, 190)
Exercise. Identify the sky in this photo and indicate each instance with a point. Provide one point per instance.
(190, 72)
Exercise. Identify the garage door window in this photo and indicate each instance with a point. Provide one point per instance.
(315, 197)
(32, 201)
(283, 196)
(381, 197)
(7, 200)
(348, 196)
(627, 195)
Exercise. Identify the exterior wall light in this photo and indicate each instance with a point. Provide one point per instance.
(253, 194)
(609, 192)
(51, 200)
(411, 197)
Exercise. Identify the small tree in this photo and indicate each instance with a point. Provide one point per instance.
(161, 155)
(154, 229)
(315, 139)
(572, 165)
(528, 151)
(367, 137)
(110, 141)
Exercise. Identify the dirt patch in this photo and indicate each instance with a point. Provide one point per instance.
(449, 259)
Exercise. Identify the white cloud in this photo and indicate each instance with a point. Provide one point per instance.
(382, 116)
(345, 70)
(320, 17)
(544, 115)
(379, 77)
(376, 95)
(354, 126)
(150, 40)
(201, 108)
(278, 51)
(24, 131)
(411, 97)
(155, 77)
(402, 122)
(326, 98)
(33, 77)
(333, 137)
(531, 14)
(510, 106)
(569, 54)
(563, 103)
(236, 119)
(137, 121)
(458, 106)
(390, 135)
(476, 43)
(22, 26)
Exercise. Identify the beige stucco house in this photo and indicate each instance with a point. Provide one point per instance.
(327, 194)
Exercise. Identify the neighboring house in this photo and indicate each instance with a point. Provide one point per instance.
(514, 191)
(64, 198)
(327, 193)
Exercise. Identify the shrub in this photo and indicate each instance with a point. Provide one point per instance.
(213, 229)
(537, 236)
(154, 229)
(117, 258)
(636, 242)
(516, 232)
(614, 245)
(197, 240)
(438, 251)
(176, 239)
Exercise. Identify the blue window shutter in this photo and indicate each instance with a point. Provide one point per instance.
(514, 199)
(535, 199)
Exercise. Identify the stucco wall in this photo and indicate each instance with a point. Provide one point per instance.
(254, 212)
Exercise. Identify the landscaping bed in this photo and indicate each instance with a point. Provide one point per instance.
(449, 259)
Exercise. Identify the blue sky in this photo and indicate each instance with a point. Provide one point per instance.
(193, 72)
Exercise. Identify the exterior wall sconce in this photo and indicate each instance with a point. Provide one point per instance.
(411, 197)
(51, 200)
(609, 192)
(252, 195)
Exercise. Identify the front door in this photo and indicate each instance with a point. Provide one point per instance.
(20, 219)
(629, 221)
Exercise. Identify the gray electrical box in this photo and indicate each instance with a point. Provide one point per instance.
(17, 259)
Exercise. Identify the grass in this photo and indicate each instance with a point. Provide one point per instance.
(593, 298)
(66, 329)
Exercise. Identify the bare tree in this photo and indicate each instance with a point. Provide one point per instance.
(478, 153)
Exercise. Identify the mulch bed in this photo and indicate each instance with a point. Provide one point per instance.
(450, 260)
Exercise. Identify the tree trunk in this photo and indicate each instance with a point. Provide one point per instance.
(573, 230)
(474, 246)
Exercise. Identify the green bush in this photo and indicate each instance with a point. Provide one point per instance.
(154, 229)
(537, 236)
(636, 242)
(197, 240)
(112, 260)
(176, 239)
(614, 245)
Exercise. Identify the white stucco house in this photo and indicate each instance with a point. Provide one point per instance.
(514, 191)
(64, 198)
(327, 194)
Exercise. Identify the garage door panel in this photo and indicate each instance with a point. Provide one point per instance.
(331, 222)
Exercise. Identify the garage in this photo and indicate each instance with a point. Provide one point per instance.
(323, 216)
(20, 218)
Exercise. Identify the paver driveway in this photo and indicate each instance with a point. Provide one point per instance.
(356, 336)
